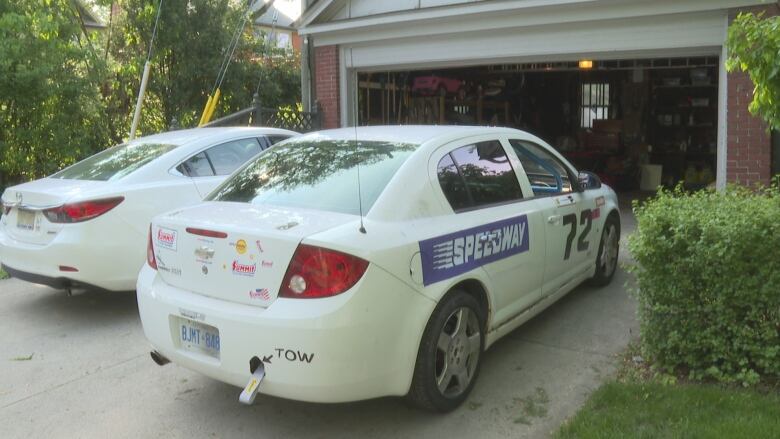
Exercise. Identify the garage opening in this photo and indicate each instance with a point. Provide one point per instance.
(637, 123)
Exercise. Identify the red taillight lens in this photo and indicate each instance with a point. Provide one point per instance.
(82, 211)
(317, 272)
(150, 259)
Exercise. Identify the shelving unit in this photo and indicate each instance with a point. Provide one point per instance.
(682, 125)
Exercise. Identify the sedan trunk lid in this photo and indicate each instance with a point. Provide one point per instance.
(234, 251)
(25, 221)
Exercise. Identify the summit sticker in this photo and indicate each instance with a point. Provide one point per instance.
(449, 255)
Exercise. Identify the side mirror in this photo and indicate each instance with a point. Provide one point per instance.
(588, 180)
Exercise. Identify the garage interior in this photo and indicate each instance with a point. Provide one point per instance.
(636, 123)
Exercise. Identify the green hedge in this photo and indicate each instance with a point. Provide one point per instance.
(708, 273)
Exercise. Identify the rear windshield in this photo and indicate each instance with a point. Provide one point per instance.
(114, 163)
(317, 174)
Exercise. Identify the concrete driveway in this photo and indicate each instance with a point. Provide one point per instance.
(79, 367)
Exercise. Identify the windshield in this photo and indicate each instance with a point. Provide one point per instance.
(114, 163)
(317, 174)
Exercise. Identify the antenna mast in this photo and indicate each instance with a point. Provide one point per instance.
(362, 228)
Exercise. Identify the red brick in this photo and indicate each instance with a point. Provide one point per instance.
(326, 70)
(748, 141)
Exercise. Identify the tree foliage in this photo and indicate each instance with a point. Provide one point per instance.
(191, 40)
(754, 47)
(51, 109)
(66, 93)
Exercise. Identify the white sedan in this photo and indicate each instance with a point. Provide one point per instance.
(86, 225)
(358, 263)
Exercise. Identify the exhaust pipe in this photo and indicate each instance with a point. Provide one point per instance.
(159, 358)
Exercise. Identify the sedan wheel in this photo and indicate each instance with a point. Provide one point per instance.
(457, 353)
(449, 356)
(607, 256)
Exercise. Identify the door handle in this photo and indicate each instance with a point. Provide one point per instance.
(554, 219)
(565, 201)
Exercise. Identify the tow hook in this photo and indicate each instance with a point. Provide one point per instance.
(158, 358)
(257, 369)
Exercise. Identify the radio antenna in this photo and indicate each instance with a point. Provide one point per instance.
(355, 121)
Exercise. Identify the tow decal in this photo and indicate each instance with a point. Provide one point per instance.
(455, 253)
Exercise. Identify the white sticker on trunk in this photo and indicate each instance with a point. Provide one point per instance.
(166, 238)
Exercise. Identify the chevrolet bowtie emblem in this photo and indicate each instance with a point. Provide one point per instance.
(204, 252)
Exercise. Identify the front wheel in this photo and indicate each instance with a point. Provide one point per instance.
(449, 357)
(607, 258)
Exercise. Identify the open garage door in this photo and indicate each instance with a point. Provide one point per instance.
(638, 123)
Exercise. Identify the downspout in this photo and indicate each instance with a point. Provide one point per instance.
(306, 83)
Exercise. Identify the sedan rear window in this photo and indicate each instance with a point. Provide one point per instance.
(317, 174)
(114, 163)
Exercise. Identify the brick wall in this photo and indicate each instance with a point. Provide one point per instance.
(748, 149)
(326, 70)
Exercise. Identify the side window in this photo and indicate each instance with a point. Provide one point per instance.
(227, 157)
(452, 184)
(485, 174)
(276, 138)
(546, 173)
(196, 166)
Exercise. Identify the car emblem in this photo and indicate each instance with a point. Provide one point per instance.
(205, 270)
(19, 197)
(204, 252)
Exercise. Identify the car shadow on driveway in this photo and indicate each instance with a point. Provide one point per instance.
(530, 382)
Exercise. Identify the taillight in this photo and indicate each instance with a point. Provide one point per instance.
(317, 272)
(81, 211)
(150, 259)
(6, 208)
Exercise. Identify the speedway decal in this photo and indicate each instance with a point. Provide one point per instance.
(449, 255)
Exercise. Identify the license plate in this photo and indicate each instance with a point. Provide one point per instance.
(25, 219)
(198, 337)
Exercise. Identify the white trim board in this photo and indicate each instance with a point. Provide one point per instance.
(684, 35)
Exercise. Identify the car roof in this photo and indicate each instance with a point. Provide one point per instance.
(182, 137)
(416, 134)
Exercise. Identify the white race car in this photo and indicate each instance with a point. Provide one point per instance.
(86, 225)
(358, 263)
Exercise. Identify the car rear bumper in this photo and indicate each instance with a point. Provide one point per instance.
(104, 260)
(54, 282)
(358, 345)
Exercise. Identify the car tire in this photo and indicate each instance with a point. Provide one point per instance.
(607, 256)
(449, 354)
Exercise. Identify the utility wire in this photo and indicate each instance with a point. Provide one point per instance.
(154, 32)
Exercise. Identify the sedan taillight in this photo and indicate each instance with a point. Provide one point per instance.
(81, 211)
(316, 272)
(6, 208)
(150, 259)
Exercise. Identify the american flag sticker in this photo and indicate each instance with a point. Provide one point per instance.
(260, 293)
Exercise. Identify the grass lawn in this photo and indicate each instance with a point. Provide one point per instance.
(3, 274)
(653, 410)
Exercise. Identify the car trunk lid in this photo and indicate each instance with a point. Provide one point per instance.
(234, 251)
(25, 221)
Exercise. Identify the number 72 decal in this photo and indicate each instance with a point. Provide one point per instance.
(586, 218)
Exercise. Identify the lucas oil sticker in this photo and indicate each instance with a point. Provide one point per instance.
(449, 255)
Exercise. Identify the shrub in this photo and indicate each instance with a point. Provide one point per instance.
(708, 274)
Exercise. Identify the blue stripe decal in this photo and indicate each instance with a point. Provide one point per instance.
(455, 253)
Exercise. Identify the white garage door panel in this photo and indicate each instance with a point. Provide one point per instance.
(704, 30)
